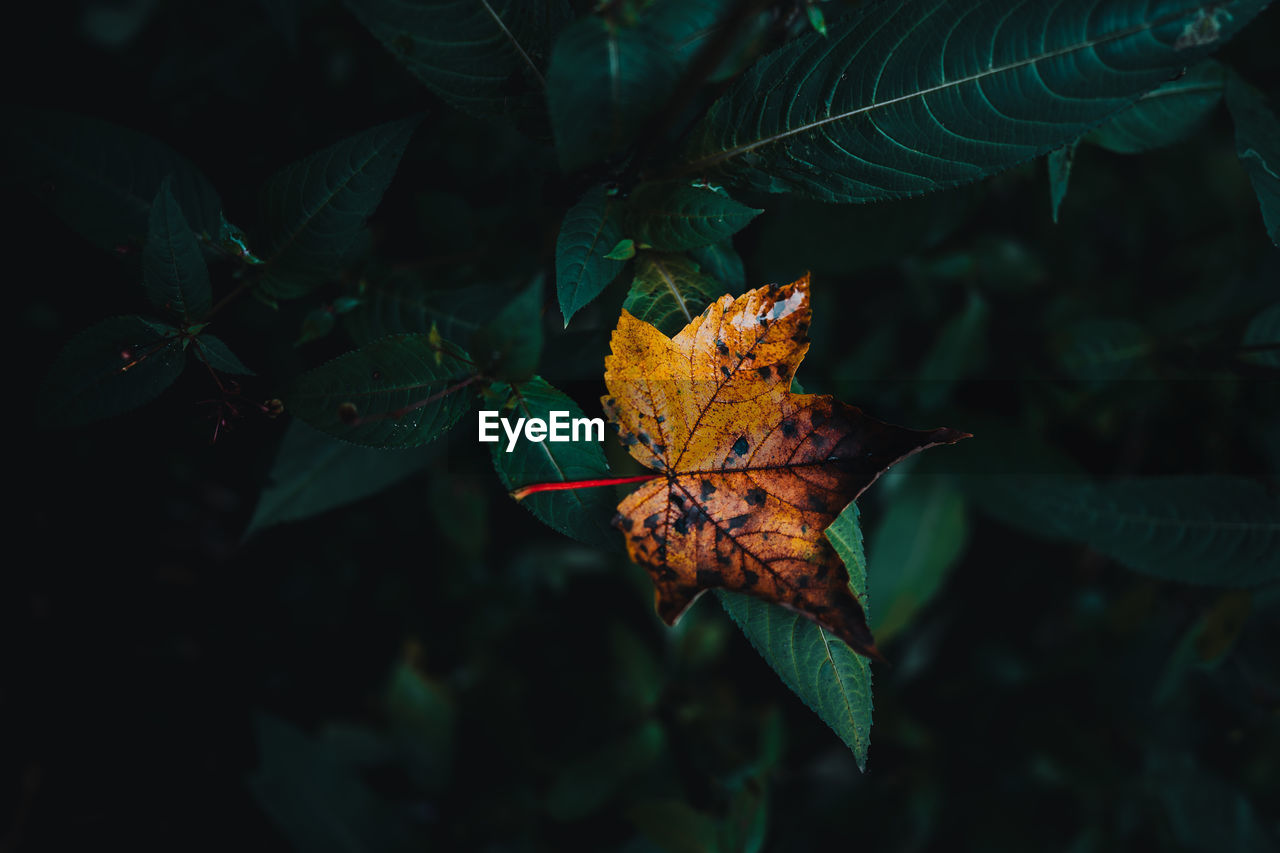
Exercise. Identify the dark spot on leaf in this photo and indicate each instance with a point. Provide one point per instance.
(739, 521)
(724, 370)
(652, 521)
(765, 372)
(677, 500)
(741, 446)
(722, 347)
(749, 578)
(681, 525)
(709, 577)
(708, 489)
(755, 497)
(643, 437)
(659, 448)
(660, 418)
(789, 428)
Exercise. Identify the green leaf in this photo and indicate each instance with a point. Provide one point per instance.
(318, 323)
(675, 826)
(723, 264)
(101, 179)
(422, 717)
(402, 302)
(1209, 530)
(173, 268)
(956, 354)
(668, 291)
(108, 369)
(1261, 344)
(585, 785)
(315, 209)
(509, 346)
(624, 251)
(317, 803)
(911, 550)
(906, 98)
(584, 514)
(606, 79)
(313, 473)
(1258, 147)
(1101, 350)
(485, 57)
(398, 391)
(583, 268)
(1166, 114)
(220, 357)
(673, 215)
(827, 675)
(1060, 160)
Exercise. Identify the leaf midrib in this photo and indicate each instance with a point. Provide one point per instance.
(990, 72)
(281, 250)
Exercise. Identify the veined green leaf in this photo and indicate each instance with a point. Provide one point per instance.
(958, 351)
(827, 675)
(1060, 161)
(173, 268)
(313, 473)
(220, 357)
(900, 99)
(583, 514)
(509, 345)
(109, 369)
(315, 209)
(916, 543)
(485, 57)
(1165, 114)
(1261, 343)
(606, 78)
(318, 803)
(402, 302)
(1214, 531)
(589, 232)
(673, 215)
(398, 391)
(101, 178)
(668, 291)
(609, 74)
(1258, 146)
(722, 263)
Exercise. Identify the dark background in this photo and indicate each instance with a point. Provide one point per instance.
(153, 654)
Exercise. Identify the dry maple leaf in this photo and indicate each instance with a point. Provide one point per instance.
(750, 474)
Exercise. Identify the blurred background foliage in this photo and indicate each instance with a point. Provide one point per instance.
(206, 652)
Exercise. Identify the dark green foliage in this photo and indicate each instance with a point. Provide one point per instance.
(101, 179)
(1166, 114)
(398, 391)
(488, 58)
(588, 235)
(111, 368)
(1258, 146)
(213, 352)
(1079, 604)
(510, 344)
(672, 216)
(581, 513)
(173, 268)
(1216, 531)
(857, 115)
(315, 209)
(670, 290)
(313, 473)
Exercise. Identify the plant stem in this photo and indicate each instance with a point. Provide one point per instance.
(524, 491)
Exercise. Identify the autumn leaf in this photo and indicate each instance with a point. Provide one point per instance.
(749, 473)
